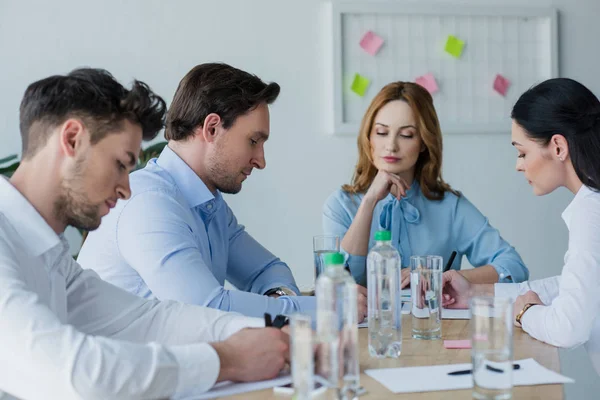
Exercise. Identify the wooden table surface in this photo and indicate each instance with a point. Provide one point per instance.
(432, 352)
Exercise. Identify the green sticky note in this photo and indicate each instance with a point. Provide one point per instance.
(454, 46)
(360, 84)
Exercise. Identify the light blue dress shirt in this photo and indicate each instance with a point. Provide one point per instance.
(420, 226)
(175, 240)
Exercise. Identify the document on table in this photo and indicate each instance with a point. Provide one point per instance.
(435, 377)
(228, 388)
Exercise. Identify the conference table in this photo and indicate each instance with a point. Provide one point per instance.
(416, 352)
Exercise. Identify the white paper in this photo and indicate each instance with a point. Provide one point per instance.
(434, 378)
(223, 389)
(447, 313)
(450, 313)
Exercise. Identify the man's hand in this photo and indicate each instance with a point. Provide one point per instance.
(253, 355)
(529, 297)
(456, 290)
(362, 305)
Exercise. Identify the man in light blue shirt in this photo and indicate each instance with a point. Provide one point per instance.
(176, 238)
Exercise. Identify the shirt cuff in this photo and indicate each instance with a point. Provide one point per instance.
(199, 366)
(531, 319)
(507, 290)
(504, 275)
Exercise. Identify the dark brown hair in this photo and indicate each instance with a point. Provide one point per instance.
(563, 106)
(215, 88)
(93, 96)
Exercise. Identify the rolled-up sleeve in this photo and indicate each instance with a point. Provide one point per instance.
(483, 245)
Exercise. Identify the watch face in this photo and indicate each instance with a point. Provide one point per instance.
(285, 292)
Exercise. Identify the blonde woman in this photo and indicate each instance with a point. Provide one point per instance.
(398, 186)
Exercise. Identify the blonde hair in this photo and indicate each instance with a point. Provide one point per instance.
(428, 169)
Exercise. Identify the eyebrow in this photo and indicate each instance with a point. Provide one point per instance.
(263, 135)
(402, 127)
(516, 144)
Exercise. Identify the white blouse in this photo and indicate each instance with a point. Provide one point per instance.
(571, 314)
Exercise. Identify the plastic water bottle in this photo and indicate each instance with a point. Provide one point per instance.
(384, 298)
(337, 328)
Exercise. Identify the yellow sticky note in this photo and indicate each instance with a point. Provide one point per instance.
(454, 46)
(360, 84)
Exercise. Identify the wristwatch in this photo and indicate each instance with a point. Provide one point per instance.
(280, 291)
(526, 307)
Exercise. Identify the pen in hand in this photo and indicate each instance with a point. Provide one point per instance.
(450, 261)
(279, 322)
(488, 367)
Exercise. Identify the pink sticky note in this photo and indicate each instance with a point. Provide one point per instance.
(501, 84)
(371, 43)
(428, 82)
(457, 344)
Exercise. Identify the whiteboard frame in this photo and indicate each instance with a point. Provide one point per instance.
(340, 8)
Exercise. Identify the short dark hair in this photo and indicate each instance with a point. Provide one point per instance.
(563, 106)
(94, 96)
(215, 88)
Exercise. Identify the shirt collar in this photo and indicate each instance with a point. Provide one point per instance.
(581, 193)
(190, 184)
(37, 236)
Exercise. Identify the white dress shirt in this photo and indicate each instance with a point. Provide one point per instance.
(571, 314)
(66, 334)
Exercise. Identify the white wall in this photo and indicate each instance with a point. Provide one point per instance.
(285, 41)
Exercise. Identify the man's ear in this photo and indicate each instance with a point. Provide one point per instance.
(71, 136)
(210, 128)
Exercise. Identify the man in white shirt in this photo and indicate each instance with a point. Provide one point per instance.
(65, 333)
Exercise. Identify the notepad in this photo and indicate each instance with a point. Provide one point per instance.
(457, 344)
(228, 388)
(435, 377)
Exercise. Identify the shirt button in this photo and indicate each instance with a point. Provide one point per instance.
(209, 206)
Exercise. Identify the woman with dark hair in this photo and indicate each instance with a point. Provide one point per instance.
(556, 130)
(398, 186)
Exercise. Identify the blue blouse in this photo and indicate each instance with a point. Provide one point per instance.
(421, 226)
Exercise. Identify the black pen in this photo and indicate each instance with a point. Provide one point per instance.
(450, 261)
(268, 321)
(488, 367)
(279, 322)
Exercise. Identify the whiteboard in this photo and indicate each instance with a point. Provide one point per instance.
(518, 43)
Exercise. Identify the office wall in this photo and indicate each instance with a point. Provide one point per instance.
(287, 42)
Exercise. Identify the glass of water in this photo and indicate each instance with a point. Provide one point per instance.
(302, 356)
(492, 347)
(426, 295)
(323, 244)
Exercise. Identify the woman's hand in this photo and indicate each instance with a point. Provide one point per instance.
(383, 183)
